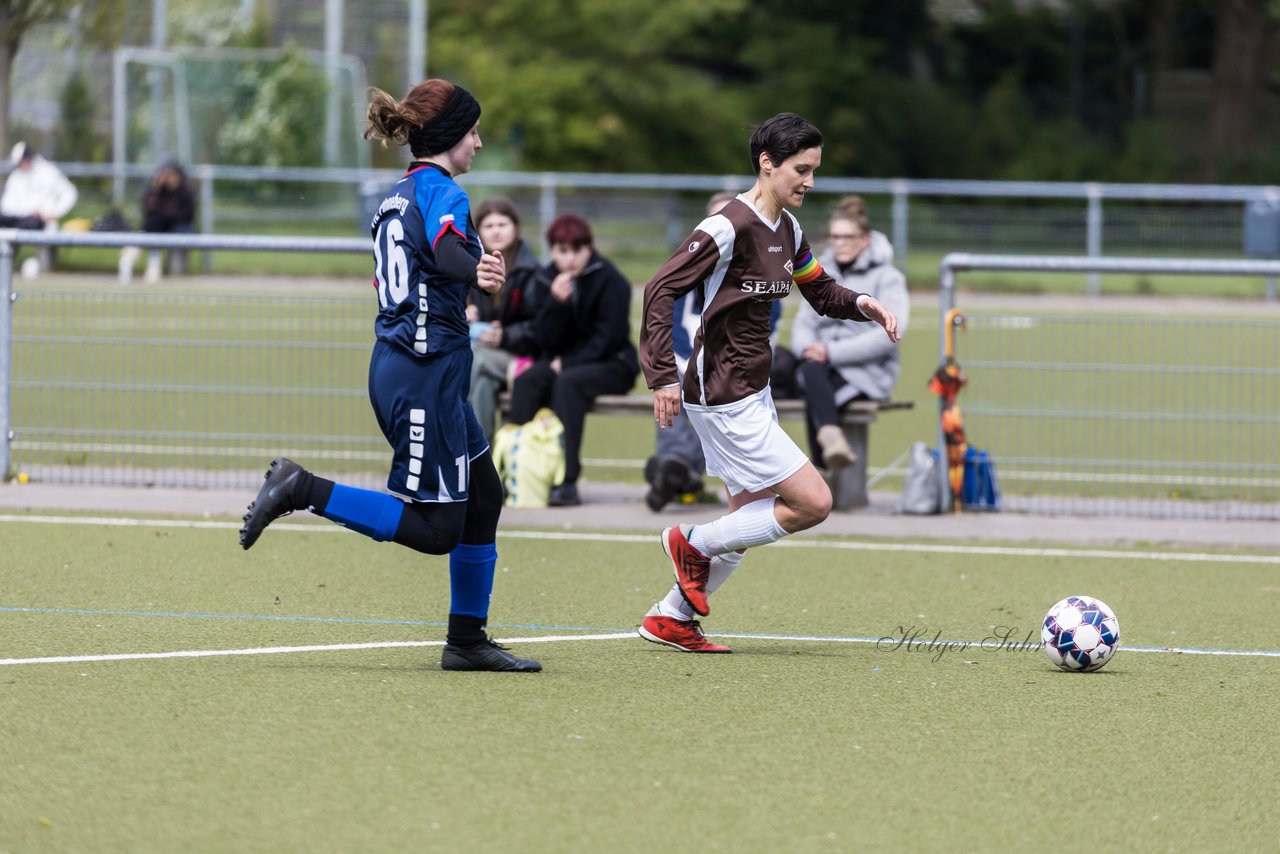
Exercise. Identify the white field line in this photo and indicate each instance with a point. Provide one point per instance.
(341, 647)
(277, 650)
(918, 548)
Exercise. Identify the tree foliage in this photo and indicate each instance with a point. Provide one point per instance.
(1072, 90)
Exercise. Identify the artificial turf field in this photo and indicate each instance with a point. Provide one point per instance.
(811, 737)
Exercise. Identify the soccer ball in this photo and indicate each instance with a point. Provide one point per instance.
(1080, 633)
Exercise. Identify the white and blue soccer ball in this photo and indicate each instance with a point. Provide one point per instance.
(1080, 633)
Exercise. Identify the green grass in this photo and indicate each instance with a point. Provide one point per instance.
(787, 745)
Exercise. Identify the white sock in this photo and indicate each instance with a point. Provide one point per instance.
(750, 525)
(674, 605)
(722, 566)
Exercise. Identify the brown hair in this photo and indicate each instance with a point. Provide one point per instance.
(855, 205)
(393, 121)
(500, 205)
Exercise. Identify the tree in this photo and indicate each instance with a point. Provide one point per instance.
(101, 19)
(596, 84)
(17, 17)
(1247, 47)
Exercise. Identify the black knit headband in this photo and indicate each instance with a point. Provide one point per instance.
(451, 124)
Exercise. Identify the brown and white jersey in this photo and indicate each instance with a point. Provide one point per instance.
(740, 263)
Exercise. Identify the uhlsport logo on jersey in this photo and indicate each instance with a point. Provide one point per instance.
(693, 247)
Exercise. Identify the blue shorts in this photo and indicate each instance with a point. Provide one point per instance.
(421, 406)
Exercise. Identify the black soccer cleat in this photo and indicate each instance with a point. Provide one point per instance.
(486, 656)
(275, 499)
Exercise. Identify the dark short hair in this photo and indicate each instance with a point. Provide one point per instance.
(782, 136)
(570, 230)
(500, 205)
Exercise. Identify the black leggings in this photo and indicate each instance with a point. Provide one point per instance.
(436, 528)
(821, 382)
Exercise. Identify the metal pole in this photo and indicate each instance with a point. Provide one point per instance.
(333, 15)
(181, 109)
(119, 67)
(206, 212)
(1093, 235)
(546, 201)
(416, 70)
(6, 351)
(158, 38)
(946, 301)
(901, 209)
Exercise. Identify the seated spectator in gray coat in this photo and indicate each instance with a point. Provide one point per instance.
(842, 360)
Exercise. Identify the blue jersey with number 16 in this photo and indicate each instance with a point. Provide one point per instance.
(422, 310)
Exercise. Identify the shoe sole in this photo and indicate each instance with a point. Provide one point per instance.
(652, 638)
(248, 538)
(666, 548)
(839, 461)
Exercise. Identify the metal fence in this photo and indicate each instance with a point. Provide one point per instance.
(1137, 415)
(170, 389)
(637, 212)
(1168, 416)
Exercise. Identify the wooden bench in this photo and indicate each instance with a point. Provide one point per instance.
(849, 488)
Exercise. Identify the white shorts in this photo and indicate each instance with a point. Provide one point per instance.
(744, 444)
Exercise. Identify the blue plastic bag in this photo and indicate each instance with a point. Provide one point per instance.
(979, 490)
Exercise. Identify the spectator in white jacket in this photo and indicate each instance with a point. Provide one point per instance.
(36, 193)
(841, 360)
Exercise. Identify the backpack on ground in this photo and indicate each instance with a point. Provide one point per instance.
(530, 459)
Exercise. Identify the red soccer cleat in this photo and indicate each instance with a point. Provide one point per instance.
(692, 567)
(684, 635)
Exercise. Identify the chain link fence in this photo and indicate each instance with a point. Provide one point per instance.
(1172, 417)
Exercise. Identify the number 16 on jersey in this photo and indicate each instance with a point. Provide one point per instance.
(390, 264)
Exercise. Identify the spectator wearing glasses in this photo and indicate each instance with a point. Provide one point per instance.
(841, 360)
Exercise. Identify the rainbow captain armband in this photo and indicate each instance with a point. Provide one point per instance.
(807, 270)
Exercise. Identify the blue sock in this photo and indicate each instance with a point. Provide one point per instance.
(471, 578)
(374, 514)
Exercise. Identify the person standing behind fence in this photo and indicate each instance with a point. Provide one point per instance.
(168, 207)
(502, 324)
(841, 360)
(446, 496)
(744, 258)
(584, 341)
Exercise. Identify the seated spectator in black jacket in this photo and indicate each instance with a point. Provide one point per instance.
(168, 207)
(502, 328)
(583, 334)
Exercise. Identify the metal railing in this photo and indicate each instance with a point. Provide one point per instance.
(175, 389)
(658, 209)
(1170, 416)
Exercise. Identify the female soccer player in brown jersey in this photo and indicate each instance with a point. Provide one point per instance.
(743, 258)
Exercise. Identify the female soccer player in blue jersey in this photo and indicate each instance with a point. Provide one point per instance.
(446, 493)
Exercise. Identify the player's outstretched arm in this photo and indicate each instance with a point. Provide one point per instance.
(876, 310)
